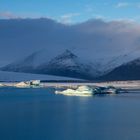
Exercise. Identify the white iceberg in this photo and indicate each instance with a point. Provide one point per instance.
(2, 85)
(32, 83)
(80, 91)
(22, 85)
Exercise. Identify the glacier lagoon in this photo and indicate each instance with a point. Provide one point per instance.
(39, 114)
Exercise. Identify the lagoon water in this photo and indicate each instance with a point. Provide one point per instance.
(39, 114)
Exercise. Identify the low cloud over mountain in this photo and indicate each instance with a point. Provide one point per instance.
(103, 44)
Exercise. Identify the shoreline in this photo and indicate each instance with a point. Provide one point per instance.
(61, 84)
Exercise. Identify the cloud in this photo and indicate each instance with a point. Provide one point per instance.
(8, 15)
(100, 17)
(67, 18)
(122, 4)
(11, 15)
(89, 8)
(92, 40)
(128, 4)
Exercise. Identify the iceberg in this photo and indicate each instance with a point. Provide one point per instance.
(80, 91)
(106, 90)
(27, 84)
(2, 85)
(89, 91)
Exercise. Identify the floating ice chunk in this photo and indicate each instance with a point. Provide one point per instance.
(80, 91)
(32, 83)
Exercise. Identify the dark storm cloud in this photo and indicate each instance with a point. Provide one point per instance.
(20, 37)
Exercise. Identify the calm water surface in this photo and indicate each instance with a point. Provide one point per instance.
(38, 114)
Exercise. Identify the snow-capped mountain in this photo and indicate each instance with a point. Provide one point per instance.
(115, 62)
(69, 64)
(24, 65)
(65, 64)
(95, 47)
(127, 71)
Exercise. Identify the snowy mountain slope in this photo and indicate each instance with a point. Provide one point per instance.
(27, 64)
(127, 71)
(16, 76)
(65, 64)
(68, 64)
(22, 65)
(38, 63)
(120, 60)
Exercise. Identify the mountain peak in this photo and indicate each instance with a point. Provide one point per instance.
(67, 54)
